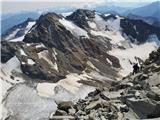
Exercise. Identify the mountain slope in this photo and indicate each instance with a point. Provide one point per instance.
(150, 20)
(19, 30)
(134, 97)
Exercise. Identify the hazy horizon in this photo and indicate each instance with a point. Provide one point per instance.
(9, 6)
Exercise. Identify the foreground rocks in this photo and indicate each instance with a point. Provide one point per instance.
(135, 97)
(90, 108)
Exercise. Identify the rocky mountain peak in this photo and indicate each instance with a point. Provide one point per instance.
(51, 16)
(81, 16)
(30, 19)
(49, 31)
(108, 16)
(138, 30)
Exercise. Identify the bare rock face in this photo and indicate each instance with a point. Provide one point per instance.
(65, 105)
(81, 16)
(7, 52)
(138, 29)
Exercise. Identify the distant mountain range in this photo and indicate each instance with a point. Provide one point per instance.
(152, 17)
(150, 10)
(10, 20)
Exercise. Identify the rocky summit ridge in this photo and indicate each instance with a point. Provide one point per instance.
(135, 97)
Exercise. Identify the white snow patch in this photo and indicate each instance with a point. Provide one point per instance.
(66, 14)
(68, 88)
(92, 25)
(126, 57)
(22, 52)
(116, 37)
(17, 39)
(28, 44)
(110, 62)
(97, 76)
(30, 24)
(5, 80)
(55, 66)
(41, 45)
(74, 29)
(55, 63)
(10, 36)
(113, 32)
(28, 27)
(114, 25)
(24, 103)
(119, 17)
(9, 66)
(54, 54)
(46, 89)
(100, 22)
(30, 62)
(106, 15)
(44, 55)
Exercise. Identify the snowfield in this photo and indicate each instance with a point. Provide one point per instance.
(68, 88)
(129, 56)
(74, 29)
(38, 100)
(12, 34)
(24, 103)
(66, 14)
(113, 32)
(28, 27)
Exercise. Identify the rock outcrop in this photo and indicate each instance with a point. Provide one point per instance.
(139, 30)
(134, 97)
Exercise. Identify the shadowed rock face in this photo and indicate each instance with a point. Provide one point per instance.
(7, 52)
(81, 16)
(64, 52)
(154, 57)
(138, 29)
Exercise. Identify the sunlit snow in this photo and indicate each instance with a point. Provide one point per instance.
(128, 56)
(74, 29)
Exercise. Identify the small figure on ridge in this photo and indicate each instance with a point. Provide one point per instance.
(135, 68)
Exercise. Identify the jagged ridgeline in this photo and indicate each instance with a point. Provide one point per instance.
(135, 97)
(55, 63)
(74, 43)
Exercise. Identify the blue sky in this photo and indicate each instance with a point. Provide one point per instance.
(19, 5)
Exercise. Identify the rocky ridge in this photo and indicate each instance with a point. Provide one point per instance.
(135, 97)
(18, 30)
